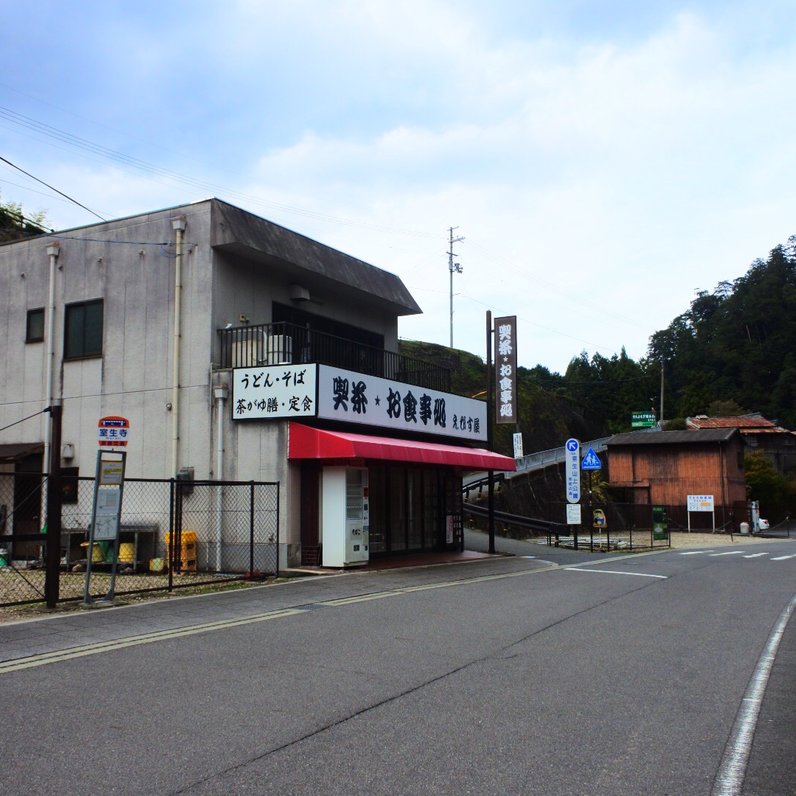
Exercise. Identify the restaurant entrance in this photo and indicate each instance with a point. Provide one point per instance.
(414, 508)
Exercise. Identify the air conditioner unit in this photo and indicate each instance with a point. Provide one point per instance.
(279, 349)
(248, 349)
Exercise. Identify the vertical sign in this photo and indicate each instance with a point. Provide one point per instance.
(572, 470)
(506, 369)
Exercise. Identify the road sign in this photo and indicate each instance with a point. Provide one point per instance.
(642, 420)
(591, 461)
(113, 432)
(572, 469)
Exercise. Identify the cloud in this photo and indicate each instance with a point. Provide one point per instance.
(600, 166)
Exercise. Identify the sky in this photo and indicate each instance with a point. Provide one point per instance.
(602, 160)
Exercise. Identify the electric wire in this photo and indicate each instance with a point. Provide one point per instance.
(28, 174)
(62, 136)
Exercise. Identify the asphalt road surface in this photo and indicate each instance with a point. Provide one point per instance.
(669, 673)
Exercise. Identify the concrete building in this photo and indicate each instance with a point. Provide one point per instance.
(238, 351)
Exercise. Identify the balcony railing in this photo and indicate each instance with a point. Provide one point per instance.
(286, 343)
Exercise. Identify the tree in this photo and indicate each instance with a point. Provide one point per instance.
(765, 484)
(14, 225)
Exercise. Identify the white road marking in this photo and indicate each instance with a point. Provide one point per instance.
(736, 755)
(728, 553)
(757, 555)
(693, 552)
(784, 558)
(615, 572)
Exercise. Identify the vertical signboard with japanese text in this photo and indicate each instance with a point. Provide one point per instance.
(506, 369)
(572, 470)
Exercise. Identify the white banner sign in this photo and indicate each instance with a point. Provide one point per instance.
(371, 400)
(275, 391)
(573, 514)
(284, 391)
(700, 502)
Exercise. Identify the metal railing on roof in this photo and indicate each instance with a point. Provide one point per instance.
(283, 343)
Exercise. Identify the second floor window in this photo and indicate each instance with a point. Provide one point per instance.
(83, 330)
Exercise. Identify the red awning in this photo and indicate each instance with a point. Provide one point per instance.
(314, 443)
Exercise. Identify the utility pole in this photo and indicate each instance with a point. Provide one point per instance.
(453, 268)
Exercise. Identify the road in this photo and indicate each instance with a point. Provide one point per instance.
(580, 675)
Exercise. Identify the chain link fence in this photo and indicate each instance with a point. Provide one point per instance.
(172, 534)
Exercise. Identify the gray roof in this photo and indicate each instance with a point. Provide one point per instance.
(712, 435)
(315, 266)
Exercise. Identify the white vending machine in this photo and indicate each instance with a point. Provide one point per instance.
(345, 516)
(356, 515)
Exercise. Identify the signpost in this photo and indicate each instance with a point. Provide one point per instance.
(572, 478)
(700, 503)
(112, 436)
(572, 470)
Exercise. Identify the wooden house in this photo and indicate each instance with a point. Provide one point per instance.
(666, 467)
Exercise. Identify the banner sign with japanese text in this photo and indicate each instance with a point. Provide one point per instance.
(700, 502)
(506, 369)
(273, 392)
(371, 400)
(290, 391)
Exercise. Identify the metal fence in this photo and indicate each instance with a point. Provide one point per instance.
(287, 343)
(611, 527)
(172, 534)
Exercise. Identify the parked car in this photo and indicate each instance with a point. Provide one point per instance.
(763, 524)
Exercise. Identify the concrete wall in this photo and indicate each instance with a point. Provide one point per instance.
(123, 264)
(130, 265)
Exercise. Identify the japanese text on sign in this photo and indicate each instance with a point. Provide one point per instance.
(113, 432)
(372, 400)
(506, 369)
(700, 502)
(276, 391)
(572, 469)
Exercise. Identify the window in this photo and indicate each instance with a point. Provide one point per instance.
(83, 330)
(34, 331)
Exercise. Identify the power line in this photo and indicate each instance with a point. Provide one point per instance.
(111, 154)
(66, 196)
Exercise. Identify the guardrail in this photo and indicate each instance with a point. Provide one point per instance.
(546, 458)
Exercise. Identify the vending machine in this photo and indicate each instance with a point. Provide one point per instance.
(356, 515)
(345, 516)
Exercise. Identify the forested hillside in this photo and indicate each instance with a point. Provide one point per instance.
(732, 351)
